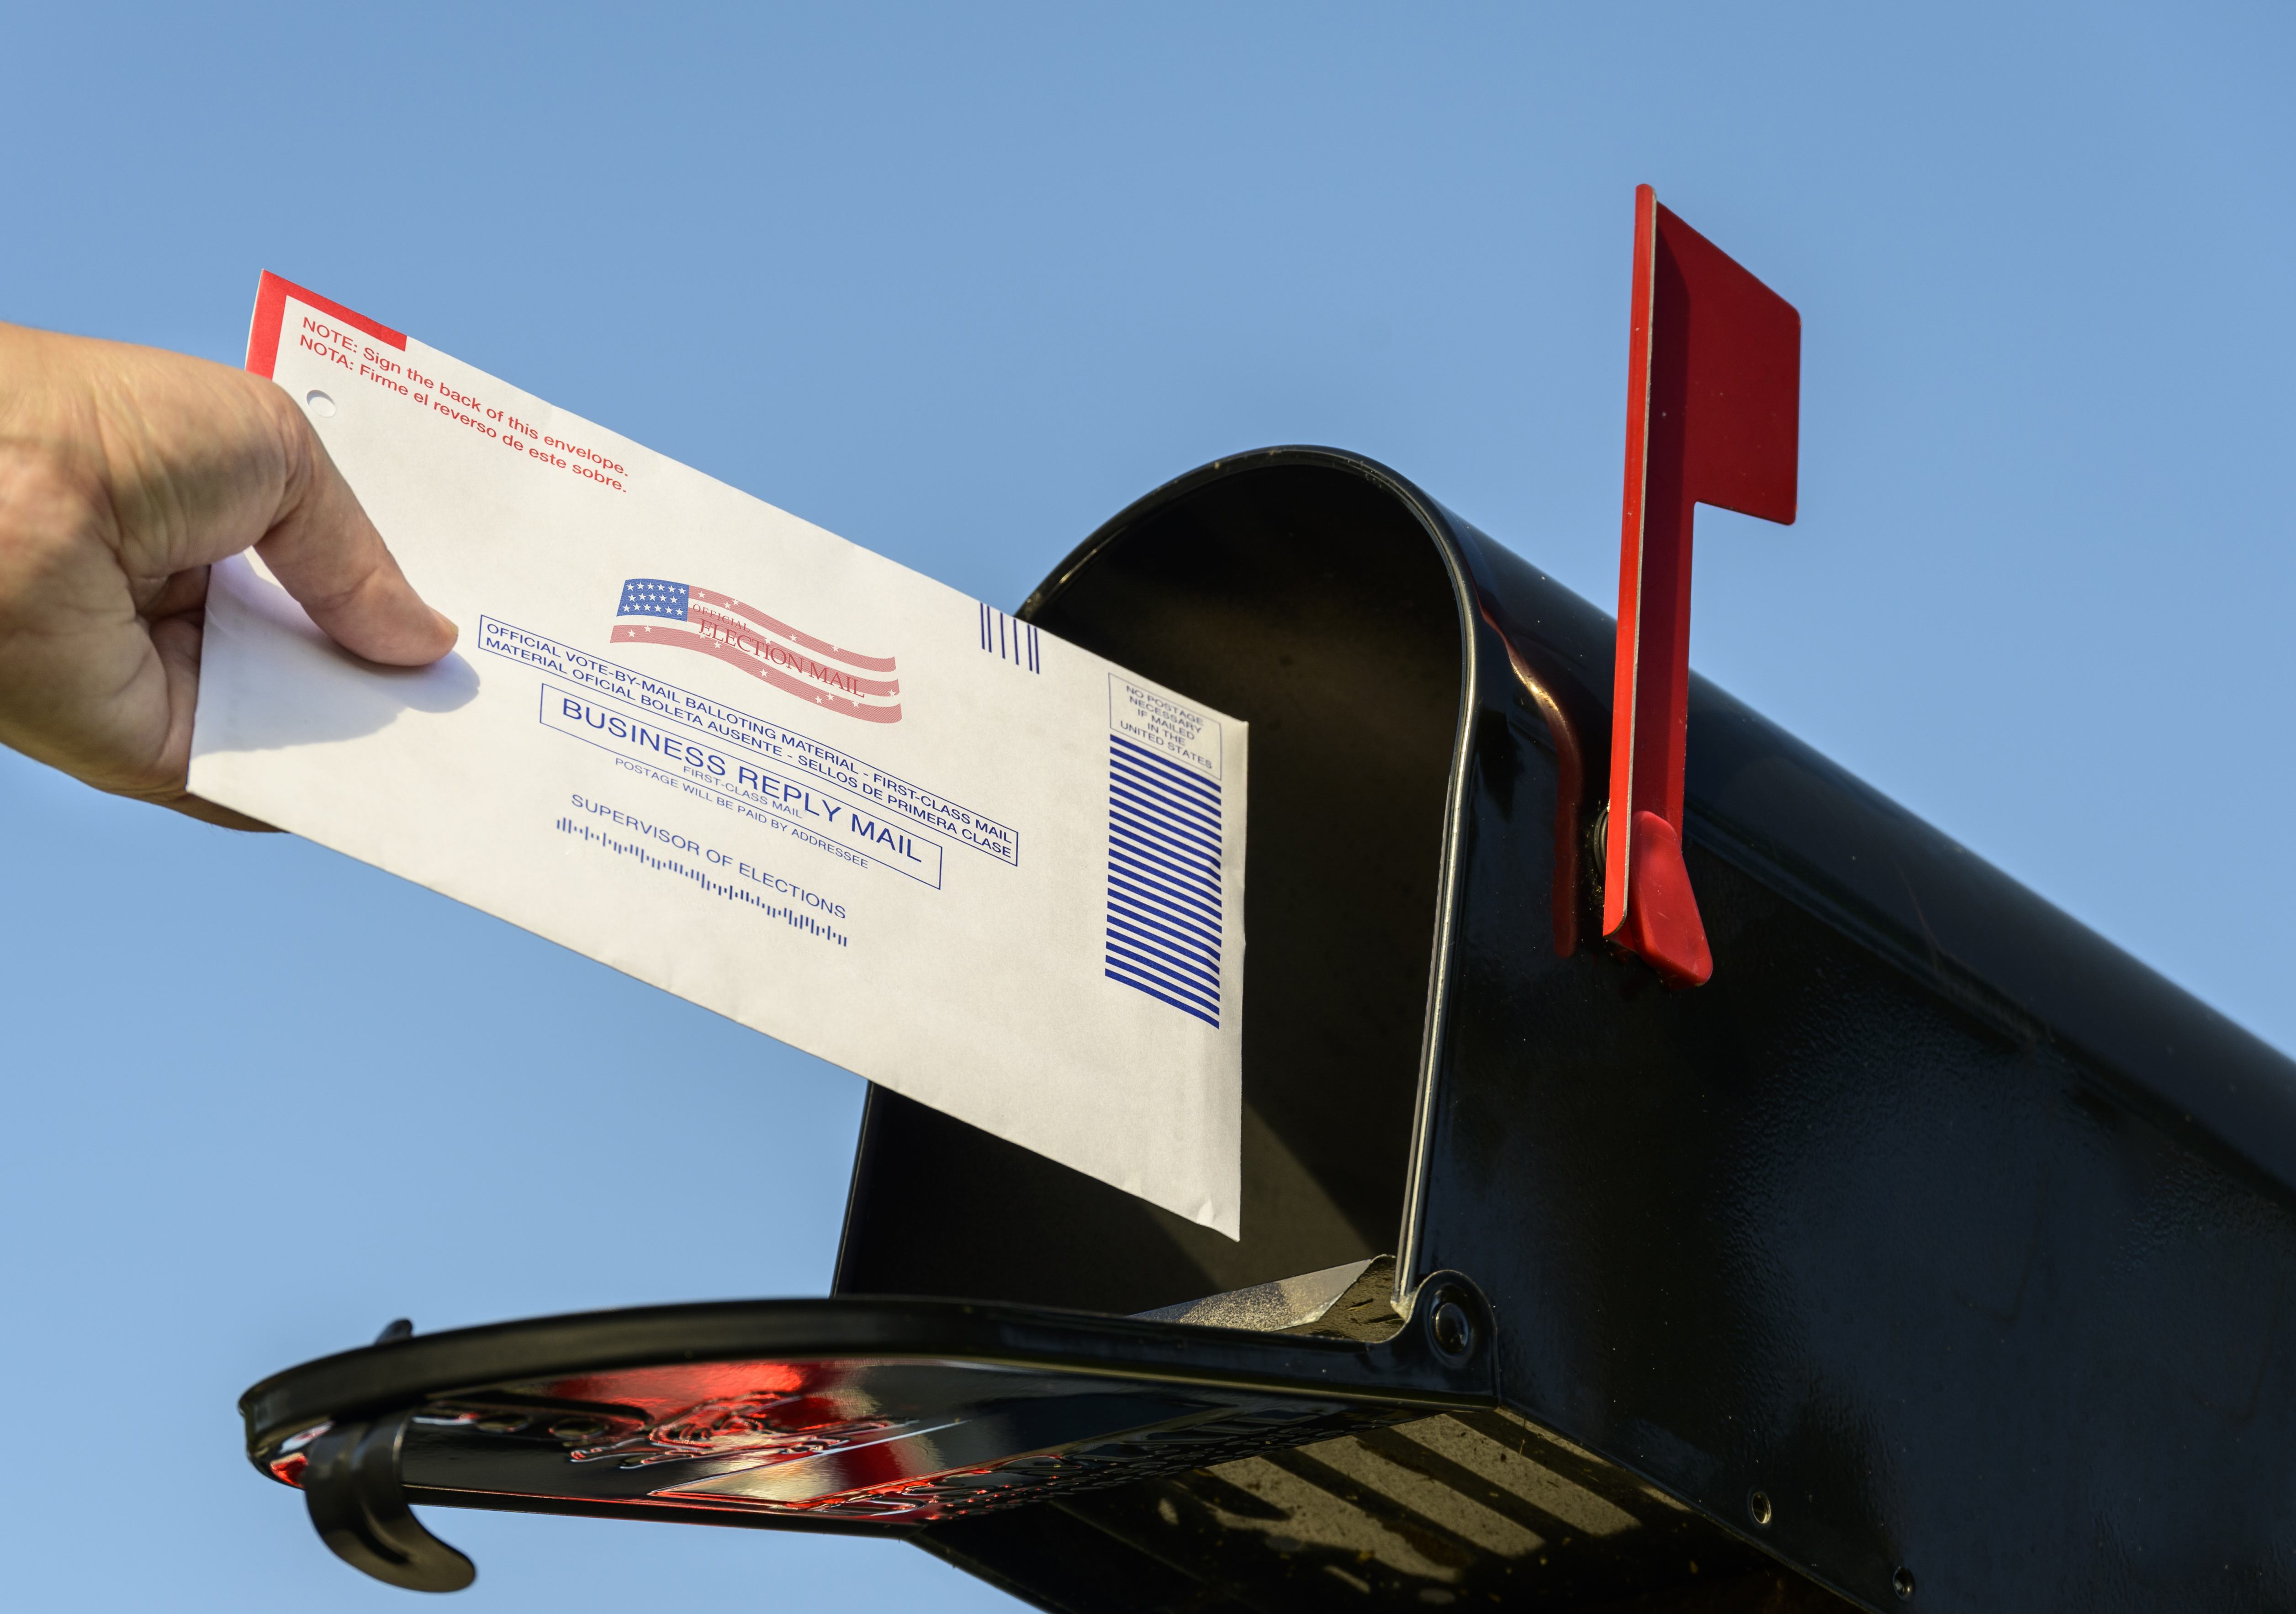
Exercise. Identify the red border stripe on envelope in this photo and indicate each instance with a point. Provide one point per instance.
(271, 317)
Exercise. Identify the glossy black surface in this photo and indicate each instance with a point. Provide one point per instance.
(1952, 1232)
(1952, 1229)
(1385, 1517)
(883, 1415)
(1935, 1248)
(354, 1490)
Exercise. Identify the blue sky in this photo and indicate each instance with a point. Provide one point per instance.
(959, 284)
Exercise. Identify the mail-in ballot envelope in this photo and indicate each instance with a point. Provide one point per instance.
(715, 747)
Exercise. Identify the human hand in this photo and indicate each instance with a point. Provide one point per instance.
(124, 472)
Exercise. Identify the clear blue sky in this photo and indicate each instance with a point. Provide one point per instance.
(958, 283)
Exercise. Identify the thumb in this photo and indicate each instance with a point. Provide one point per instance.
(328, 555)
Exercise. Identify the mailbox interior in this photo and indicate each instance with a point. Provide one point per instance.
(1315, 603)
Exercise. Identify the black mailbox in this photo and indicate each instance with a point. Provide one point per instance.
(1935, 1252)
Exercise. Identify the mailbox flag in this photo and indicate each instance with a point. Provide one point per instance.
(1713, 417)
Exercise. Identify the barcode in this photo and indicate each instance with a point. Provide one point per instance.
(1163, 881)
(1010, 639)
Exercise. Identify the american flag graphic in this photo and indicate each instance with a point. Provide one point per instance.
(655, 611)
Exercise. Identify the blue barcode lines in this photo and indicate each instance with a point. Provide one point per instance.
(1130, 882)
(1179, 846)
(1164, 929)
(1141, 785)
(1010, 639)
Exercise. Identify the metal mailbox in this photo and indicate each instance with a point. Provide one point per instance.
(1934, 1252)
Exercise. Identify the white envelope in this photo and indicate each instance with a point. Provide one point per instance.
(729, 753)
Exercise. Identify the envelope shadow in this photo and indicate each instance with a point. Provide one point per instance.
(292, 686)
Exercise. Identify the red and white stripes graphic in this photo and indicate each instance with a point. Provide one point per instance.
(738, 634)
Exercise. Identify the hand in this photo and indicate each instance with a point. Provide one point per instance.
(124, 472)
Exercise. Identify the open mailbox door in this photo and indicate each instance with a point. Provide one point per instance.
(1933, 1251)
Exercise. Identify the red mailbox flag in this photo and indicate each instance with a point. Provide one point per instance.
(1713, 417)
